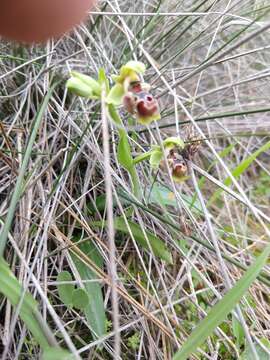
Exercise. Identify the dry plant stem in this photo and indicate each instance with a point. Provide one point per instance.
(224, 269)
(228, 190)
(109, 202)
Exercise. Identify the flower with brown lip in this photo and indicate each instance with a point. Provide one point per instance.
(179, 170)
(142, 104)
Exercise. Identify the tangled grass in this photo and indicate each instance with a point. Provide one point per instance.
(208, 64)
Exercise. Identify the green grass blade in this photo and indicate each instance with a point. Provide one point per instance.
(12, 289)
(219, 312)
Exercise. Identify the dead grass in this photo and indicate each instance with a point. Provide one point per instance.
(66, 175)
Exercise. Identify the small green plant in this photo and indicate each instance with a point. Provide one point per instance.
(134, 341)
(130, 92)
(109, 325)
(127, 91)
(88, 298)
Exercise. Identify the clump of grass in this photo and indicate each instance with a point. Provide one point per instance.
(196, 294)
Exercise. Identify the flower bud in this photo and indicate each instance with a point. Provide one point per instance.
(79, 88)
(84, 86)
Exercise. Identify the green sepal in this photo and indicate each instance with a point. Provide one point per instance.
(155, 158)
(172, 142)
(115, 95)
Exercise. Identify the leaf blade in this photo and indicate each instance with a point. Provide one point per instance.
(65, 290)
(94, 311)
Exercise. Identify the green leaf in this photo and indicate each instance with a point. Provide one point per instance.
(94, 311)
(115, 95)
(161, 195)
(172, 142)
(222, 308)
(89, 81)
(80, 299)
(54, 353)
(156, 244)
(124, 152)
(155, 158)
(79, 88)
(65, 290)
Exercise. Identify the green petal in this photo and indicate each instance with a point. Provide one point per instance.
(79, 88)
(136, 66)
(115, 95)
(130, 70)
(89, 81)
(172, 142)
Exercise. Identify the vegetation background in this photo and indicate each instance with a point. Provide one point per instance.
(208, 64)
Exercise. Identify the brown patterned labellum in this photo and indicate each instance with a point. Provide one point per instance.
(179, 169)
(147, 105)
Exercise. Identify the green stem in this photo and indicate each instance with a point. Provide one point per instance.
(135, 183)
(126, 160)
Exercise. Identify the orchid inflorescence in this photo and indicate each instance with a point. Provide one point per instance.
(134, 95)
